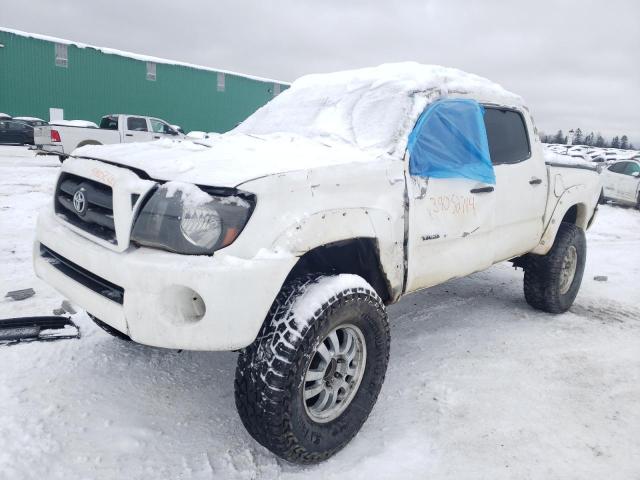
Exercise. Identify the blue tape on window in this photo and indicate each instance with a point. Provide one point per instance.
(450, 141)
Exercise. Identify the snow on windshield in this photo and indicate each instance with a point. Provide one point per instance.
(371, 108)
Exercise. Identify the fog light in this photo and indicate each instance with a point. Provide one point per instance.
(182, 305)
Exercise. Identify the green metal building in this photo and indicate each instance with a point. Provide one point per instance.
(49, 77)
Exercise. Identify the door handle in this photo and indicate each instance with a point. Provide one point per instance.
(156, 136)
(535, 181)
(128, 134)
(482, 190)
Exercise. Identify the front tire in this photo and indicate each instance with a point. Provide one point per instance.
(552, 281)
(307, 384)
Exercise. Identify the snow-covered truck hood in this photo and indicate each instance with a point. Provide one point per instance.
(226, 161)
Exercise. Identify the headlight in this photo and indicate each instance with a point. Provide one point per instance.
(183, 218)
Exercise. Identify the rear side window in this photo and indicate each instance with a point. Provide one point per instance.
(136, 124)
(18, 125)
(109, 123)
(618, 167)
(507, 135)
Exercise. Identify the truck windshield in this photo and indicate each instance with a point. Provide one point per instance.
(110, 122)
(365, 114)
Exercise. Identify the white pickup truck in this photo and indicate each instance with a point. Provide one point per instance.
(285, 238)
(61, 140)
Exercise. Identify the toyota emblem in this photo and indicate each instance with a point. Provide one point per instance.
(79, 202)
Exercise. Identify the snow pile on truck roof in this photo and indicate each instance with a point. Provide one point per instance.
(323, 120)
(371, 108)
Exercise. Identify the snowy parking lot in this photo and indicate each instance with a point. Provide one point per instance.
(479, 384)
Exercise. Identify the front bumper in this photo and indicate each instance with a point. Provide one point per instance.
(157, 307)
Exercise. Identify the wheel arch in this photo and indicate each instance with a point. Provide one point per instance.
(566, 212)
(358, 256)
(577, 215)
(360, 241)
(88, 142)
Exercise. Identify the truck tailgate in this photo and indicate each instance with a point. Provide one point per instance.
(42, 135)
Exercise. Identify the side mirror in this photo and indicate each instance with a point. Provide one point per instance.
(635, 174)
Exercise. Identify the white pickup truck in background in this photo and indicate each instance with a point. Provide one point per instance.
(61, 140)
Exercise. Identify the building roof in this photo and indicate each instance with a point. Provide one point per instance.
(136, 56)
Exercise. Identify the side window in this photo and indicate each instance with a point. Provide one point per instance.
(18, 126)
(62, 55)
(109, 123)
(507, 135)
(632, 168)
(449, 141)
(157, 126)
(136, 124)
(618, 167)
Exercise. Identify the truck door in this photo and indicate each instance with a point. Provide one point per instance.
(521, 182)
(137, 130)
(451, 194)
(161, 129)
(629, 182)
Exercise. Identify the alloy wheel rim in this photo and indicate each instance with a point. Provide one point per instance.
(334, 373)
(568, 269)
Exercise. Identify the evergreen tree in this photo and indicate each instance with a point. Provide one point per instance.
(578, 138)
(624, 142)
(559, 137)
(600, 141)
(615, 143)
(589, 139)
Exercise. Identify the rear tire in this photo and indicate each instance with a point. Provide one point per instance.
(552, 281)
(277, 376)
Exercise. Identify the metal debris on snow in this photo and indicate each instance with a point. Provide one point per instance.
(18, 295)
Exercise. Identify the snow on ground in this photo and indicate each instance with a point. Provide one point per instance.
(479, 385)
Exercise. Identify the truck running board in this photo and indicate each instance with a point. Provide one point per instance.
(30, 329)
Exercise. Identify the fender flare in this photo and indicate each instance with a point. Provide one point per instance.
(571, 197)
(312, 231)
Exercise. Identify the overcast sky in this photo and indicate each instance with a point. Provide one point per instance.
(577, 63)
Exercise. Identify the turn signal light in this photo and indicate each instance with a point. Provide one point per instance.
(55, 136)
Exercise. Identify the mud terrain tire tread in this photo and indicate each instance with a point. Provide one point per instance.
(542, 272)
(269, 373)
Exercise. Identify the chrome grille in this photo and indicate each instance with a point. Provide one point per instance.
(90, 210)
